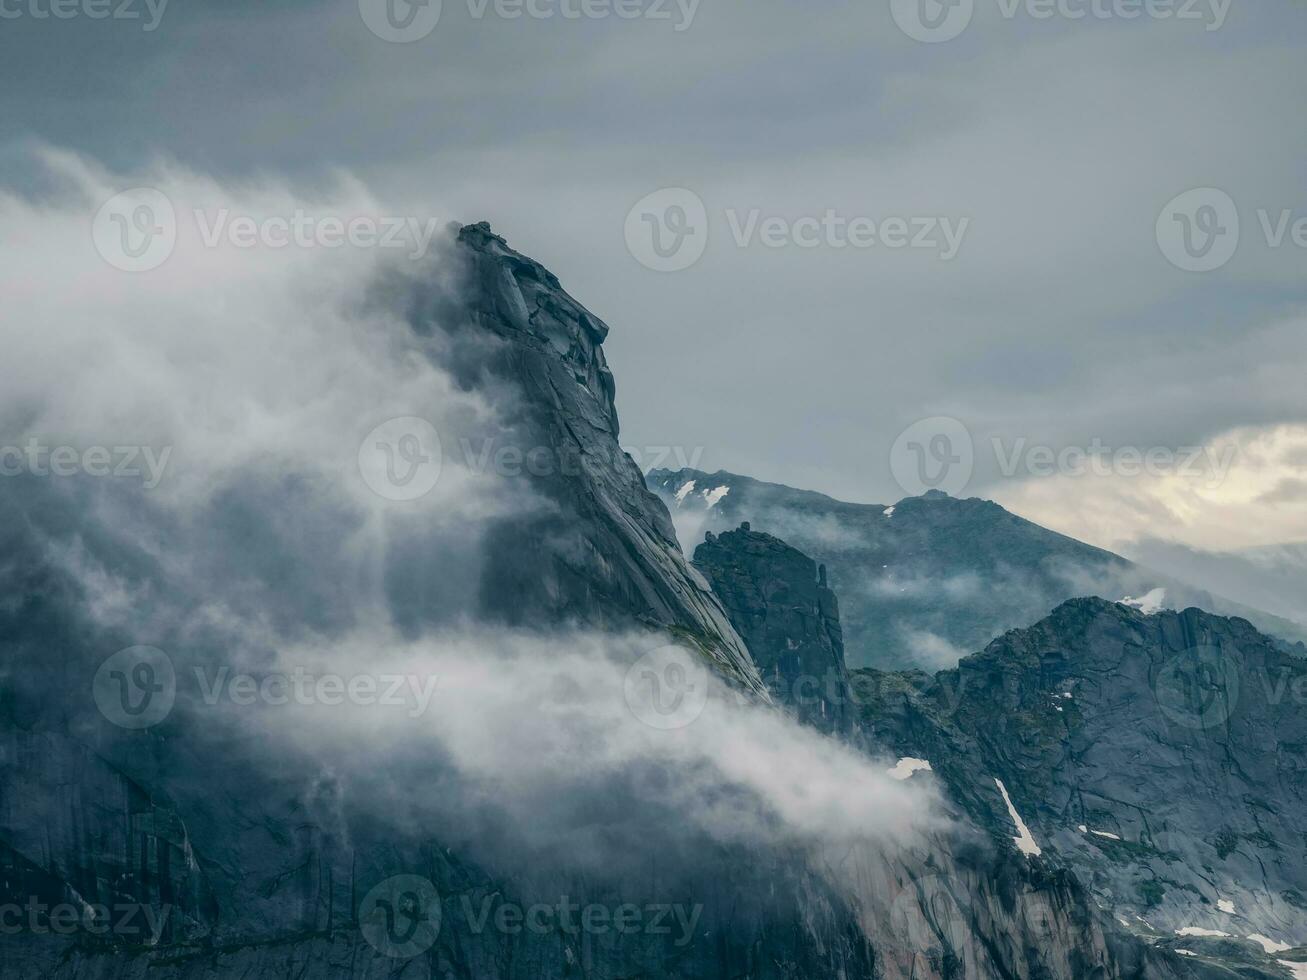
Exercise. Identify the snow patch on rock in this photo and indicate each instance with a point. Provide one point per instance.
(1025, 840)
(1269, 945)
(1153, 602)
(714, 497)
(906, 766)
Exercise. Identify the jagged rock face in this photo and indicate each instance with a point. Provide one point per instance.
(932, 578)
(1162, 758)
(603, 552)
(968, 910)
(779, 602)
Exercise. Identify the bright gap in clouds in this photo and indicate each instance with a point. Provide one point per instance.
(1261, 499)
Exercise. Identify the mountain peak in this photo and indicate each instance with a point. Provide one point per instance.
(778, 599)
(604, 551)
(479, 229)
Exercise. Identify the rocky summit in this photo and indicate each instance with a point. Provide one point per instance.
(790, 620)
(604, 552)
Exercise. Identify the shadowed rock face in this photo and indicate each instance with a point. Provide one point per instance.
(1162, 758)
(601, 551)
(778, 600)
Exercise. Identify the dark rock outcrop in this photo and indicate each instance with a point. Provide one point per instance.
(779, 601)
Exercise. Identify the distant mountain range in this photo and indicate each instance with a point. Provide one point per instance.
(925, 581)
(1273, 578)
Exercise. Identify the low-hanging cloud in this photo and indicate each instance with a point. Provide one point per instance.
(263, 550)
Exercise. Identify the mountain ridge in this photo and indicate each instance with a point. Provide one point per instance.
(929, 579)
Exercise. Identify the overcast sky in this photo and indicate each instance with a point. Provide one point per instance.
(1037, 157)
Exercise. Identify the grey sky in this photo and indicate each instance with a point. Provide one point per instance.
(1060, 141)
